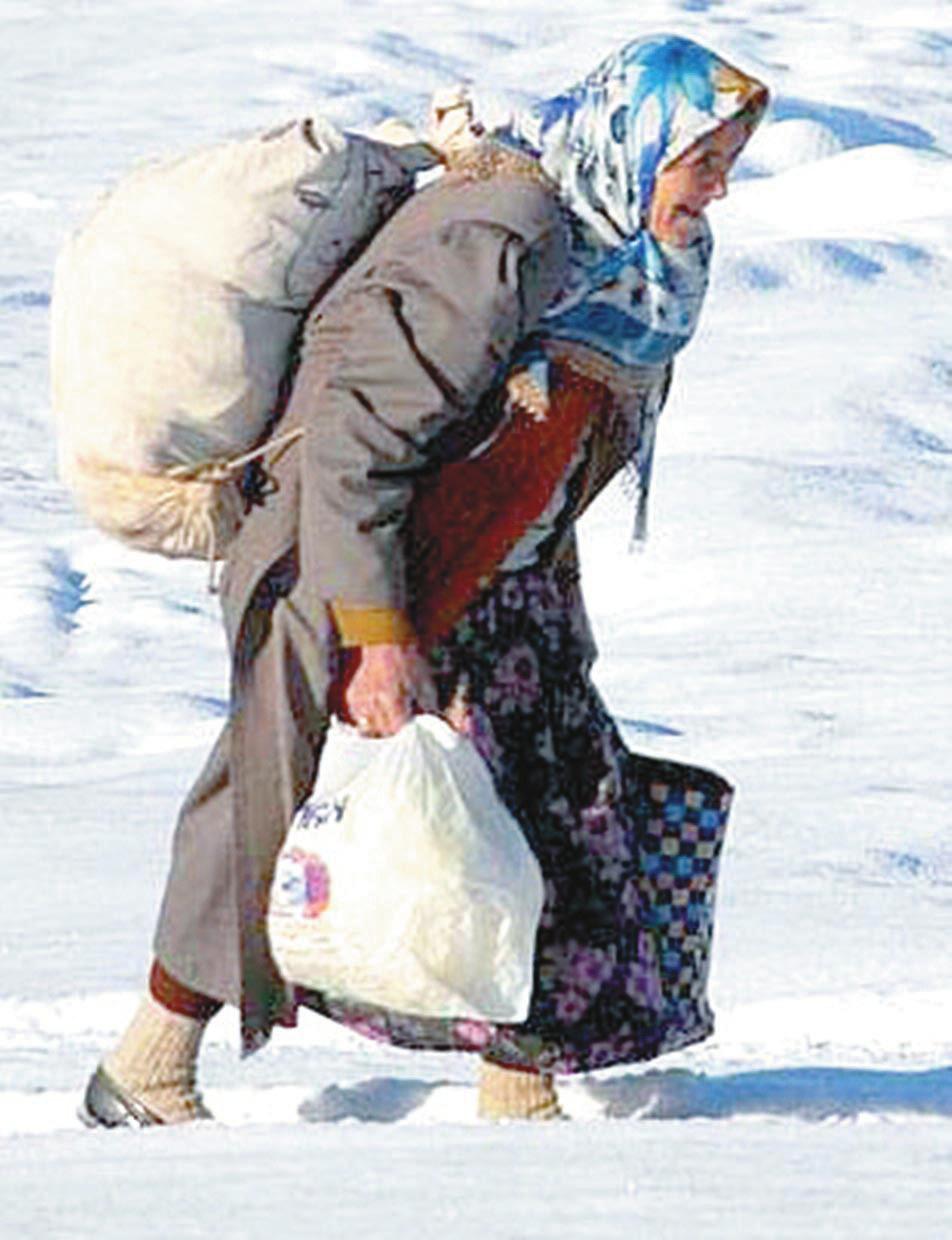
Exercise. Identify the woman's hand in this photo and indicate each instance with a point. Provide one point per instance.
(388, 686)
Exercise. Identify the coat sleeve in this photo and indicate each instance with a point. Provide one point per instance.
(396, 371)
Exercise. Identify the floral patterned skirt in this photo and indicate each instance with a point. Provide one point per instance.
(628, 846)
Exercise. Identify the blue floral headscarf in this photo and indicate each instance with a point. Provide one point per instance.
(629, 296)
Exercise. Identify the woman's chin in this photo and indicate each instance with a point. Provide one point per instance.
(678, 238)
(679, 230)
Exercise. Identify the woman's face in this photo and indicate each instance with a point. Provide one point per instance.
(684, 188)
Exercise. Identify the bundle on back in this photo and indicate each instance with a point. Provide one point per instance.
(175, 308)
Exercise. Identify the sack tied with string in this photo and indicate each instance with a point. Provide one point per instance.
(405, 883)
(175, 307)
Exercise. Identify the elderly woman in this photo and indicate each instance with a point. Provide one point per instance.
(499, 352)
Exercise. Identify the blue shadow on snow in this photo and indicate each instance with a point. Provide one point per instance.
(852, 126)
(802, 1093)
(381, 1100)
(645, 727)
(31, 299)
(806, 1093)
(67, 592)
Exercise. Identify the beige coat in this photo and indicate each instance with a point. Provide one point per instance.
(398, 366)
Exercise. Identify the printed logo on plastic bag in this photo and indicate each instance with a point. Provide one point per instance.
(301, 883)
(319, 812)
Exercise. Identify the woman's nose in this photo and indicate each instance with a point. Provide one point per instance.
(719, 185)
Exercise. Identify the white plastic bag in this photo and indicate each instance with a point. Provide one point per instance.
(404, 881)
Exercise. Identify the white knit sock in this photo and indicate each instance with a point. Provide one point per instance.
(156, 1062)
(511, 1093)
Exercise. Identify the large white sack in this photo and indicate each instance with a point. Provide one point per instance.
(404, 882)
(175, 306)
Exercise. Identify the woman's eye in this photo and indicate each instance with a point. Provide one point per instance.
(701, 164)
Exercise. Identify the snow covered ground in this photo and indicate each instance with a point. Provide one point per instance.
(789, 624)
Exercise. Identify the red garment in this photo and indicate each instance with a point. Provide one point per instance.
(473, 512)
(177, 997)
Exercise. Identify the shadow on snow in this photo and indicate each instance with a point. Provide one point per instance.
(804, 1093)
(853, 126)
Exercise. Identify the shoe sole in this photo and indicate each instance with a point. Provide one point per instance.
(107, 1105)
